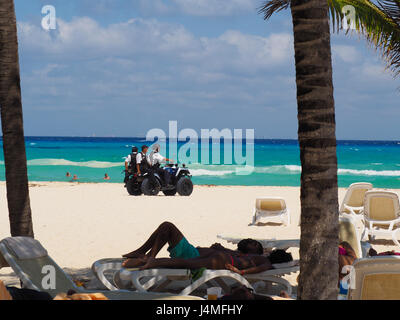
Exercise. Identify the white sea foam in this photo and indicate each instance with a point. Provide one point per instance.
(288, 169)
(382, 173)
(204, 172)
(294, 169)
(63, 162)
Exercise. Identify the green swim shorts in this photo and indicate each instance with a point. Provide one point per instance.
(183, 250)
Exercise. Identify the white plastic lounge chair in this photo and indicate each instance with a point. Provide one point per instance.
(37, 271)
(159, 279)
(266, 243)
(271, 208)
(353, 202)
(382, 215)
(376, 278)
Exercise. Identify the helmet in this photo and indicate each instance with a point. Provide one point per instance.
(156, 147)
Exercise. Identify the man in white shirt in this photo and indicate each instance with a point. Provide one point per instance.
(142, 162)
(156, 159)
(129, 166)
(128, 159)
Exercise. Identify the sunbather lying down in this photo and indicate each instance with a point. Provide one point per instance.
(247, 259)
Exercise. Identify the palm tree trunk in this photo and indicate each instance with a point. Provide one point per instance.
(316, 133)
(12, 125)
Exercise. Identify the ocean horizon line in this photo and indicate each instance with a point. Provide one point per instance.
(144, 138)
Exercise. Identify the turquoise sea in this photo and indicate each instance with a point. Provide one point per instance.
(276, 162)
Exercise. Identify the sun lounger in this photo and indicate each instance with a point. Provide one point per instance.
(159, 279)
(271, 208)
(37, 271)
(353, 202)
(382, 215)
(266, 243)
(376, 278)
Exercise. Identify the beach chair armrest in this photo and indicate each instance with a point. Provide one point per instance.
(212, 274)
(390, 223)
(103, 265)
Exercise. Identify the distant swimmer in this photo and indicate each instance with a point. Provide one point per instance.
(68, 175)
(75, 178)
(106, 177)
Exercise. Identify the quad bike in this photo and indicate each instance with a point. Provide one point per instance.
(151, 183)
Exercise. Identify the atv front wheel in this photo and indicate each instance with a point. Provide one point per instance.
(184, 186)
(151, 187)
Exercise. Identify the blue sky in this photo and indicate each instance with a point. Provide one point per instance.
(122, 67)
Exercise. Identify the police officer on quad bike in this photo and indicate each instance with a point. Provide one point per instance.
(136, 163)
(155, 160)
(130, 164)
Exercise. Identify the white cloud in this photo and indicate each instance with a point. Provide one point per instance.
(375, 71)
(345, 52)
(84, 38)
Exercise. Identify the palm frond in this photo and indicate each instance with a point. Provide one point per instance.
(273, 6)
(379, 24)
(391, 9)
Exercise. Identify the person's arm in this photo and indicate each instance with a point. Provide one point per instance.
(261, 268)
(127, 160)
(138, 169)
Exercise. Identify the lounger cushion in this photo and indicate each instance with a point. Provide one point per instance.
(383, 286)
(25, 247)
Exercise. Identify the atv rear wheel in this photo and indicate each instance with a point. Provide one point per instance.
(150, 187)
(133, 188)
(184, 186)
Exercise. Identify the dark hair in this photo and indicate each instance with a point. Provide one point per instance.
(243, 246)
(280, 256)
(144, 147)
(134, 149)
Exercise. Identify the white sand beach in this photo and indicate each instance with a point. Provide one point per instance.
(79, 223)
